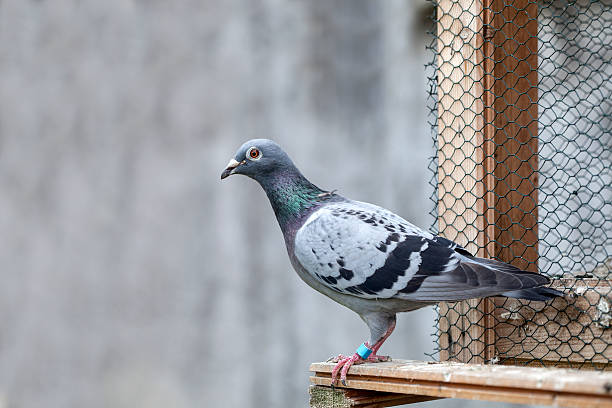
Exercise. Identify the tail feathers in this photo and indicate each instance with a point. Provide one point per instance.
(535, 292)
(542, 294)
(478, 277)
(519, 284)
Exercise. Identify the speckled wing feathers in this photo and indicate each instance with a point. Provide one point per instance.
(366, 251)
(361, 249)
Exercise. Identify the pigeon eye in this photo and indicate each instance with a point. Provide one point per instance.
(253, 153)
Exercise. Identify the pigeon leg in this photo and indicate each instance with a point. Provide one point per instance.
(374, 356)
(344, 363)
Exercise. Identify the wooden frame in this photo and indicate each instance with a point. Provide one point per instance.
(488, 187)
(413, 380)
(488, 201)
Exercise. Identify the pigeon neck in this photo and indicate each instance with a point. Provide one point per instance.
(291, 195)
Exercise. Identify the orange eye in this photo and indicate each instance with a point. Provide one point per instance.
(254, 153)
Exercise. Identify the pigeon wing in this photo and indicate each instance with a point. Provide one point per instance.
(367, 251)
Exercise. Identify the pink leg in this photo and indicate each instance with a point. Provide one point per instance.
(343, 363)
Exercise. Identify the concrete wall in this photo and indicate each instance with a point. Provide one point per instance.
(131, 276)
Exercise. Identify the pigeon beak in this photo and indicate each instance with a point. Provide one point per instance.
(229, 170)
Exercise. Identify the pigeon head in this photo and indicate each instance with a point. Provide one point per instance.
(290, 193)
(259, 159)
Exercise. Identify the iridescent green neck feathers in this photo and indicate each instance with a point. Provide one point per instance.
(291, 195)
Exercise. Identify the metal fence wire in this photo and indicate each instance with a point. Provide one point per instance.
(521, 112)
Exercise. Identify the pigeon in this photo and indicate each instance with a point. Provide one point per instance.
(369, 259)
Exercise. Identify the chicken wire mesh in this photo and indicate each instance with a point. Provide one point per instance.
(521, 111)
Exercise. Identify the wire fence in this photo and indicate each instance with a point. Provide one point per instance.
(521, 112)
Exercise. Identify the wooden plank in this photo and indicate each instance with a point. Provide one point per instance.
(460, 164)
(574, 330)
(528, 385)
(496, 394)
(328, 397)
(460, 122)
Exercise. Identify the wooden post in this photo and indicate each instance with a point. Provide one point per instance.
(511, 131)
(461, 157)
(487, 158)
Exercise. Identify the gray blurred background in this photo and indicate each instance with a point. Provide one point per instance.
(131, 276)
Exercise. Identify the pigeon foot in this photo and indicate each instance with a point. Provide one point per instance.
(344, 363)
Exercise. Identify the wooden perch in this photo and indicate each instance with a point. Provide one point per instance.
(417, 379)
